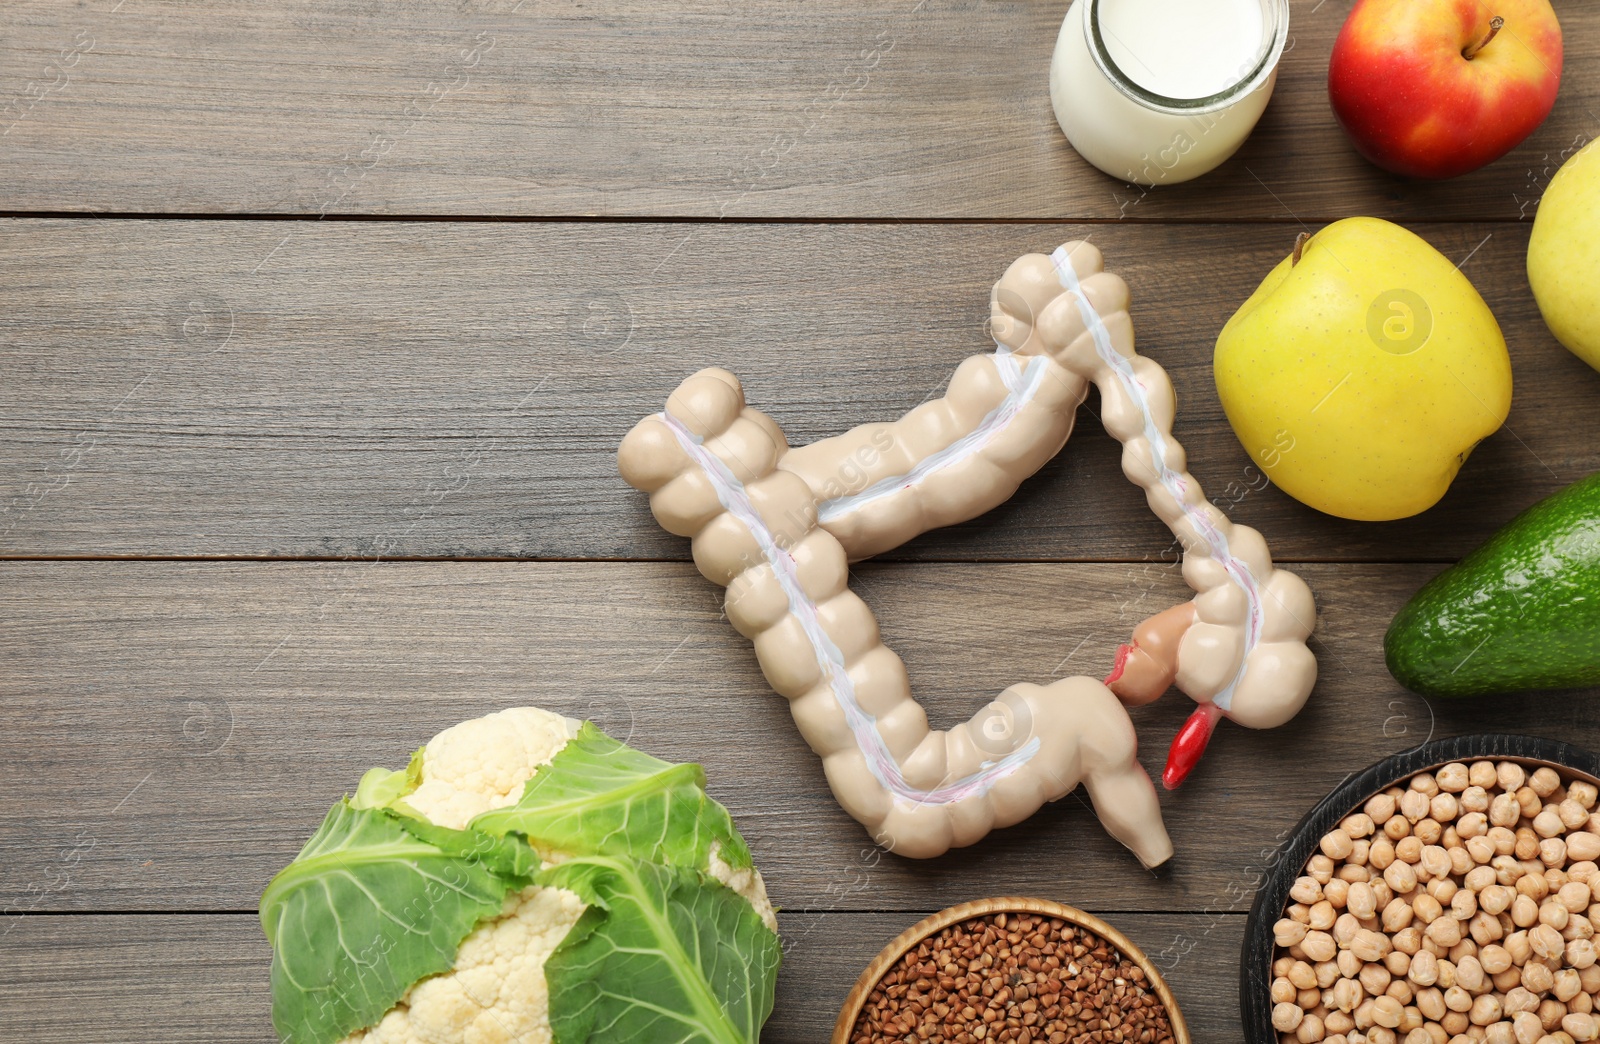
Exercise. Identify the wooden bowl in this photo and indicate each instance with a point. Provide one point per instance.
(911, 937)
(1255, 961)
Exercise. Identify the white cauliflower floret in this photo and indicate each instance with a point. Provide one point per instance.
(496, 993)
(482, 764)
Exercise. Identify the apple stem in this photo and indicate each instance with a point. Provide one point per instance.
(1299, 248)
(1495, 25)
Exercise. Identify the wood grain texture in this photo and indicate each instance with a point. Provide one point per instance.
(890, 108)
(171, 732)
(202, 979)
(376, 390)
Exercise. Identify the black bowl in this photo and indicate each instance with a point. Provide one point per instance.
(1255, 962)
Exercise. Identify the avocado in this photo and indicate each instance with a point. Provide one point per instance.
(1521, 612)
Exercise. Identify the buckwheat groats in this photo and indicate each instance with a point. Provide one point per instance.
(1455, 909)
(1013, 977)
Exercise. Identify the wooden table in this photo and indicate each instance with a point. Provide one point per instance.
(322, 321)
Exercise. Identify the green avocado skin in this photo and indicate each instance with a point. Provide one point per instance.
(1521, 612)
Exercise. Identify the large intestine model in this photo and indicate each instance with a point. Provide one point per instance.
(775, 526)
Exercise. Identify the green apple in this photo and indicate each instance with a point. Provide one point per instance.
(1564, 255)
(1363, 371)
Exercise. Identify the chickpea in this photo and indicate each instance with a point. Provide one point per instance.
(1495, 899)
(1546, 941)
(1505, 841)
(1544, 781)
(1360, 901)
(1578, 927)
(1428, 831)
(1573, 815)
(1509, 979)
(1424, 969)
(1347, 995)
(1510, 775)
(1534, 886)
(1445, 807)
(1386, 1011)
(1397, 915)
(1527, 1027)
(1580, 954)
(1446, 931)
(1481, 849)
(1524, 912)
(1469, 975)
(1336, 892)
(1336, 844)
(1381, 853)
(1319, 946)
(1401, 991)
(1547, 823)
(1310, 1030)
(1349, 964)
(1584, 870)
(1400, 876)
(1552, 852)
(1358, 852)
(1327, 973)
(1567, 985)
(1397, 828)
(1380, 808)
(1581, 1027)
(1504, 810)
(1308, 999)
(1320, 868)
(1286, 1017)
(1397, 963)
(1414, 805)
(1499, 1033)
(1453, 777)
(1583, 792)
(1519, 947)
(1485, 1010)
(1553, 915)
(1426, 908)
(1370, 946)
(1473, 824)
(1301, 976)
(1536, 978)
(1590, 978)
(1306, 890)
(1408, 940)
(1527, 844)
(1288, 932)
(1351, 873)
(1528, 801)
(1464, 904)
(1345, 929)
(1475, 799)
(1360, 825)
(1550, 1013)
(1583, 845)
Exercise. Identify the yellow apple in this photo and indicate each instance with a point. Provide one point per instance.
(1362, 372)
(1564, 255)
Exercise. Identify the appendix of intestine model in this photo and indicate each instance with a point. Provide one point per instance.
(776, 527)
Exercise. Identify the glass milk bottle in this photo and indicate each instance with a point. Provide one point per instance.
(1160, 91)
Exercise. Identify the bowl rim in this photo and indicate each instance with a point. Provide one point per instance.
(934, 923)
(1255, 957)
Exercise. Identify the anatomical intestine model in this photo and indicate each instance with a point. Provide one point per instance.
(771, 524)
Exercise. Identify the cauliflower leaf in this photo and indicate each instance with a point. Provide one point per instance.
(663, 954)
(373, 903)
(601, 797)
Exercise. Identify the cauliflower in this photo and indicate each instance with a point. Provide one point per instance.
(445, 899)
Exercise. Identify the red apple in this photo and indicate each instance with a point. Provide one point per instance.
(1432, 89)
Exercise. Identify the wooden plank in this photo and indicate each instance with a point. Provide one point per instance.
(171, 732)
(178, 978)
(183, 388)
(903, 108)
